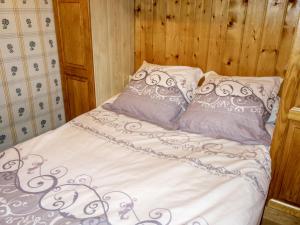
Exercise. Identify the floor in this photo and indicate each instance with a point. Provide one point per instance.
(276, 217)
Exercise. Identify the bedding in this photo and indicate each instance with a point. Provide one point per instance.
(273, 117)
(158, 94)
(105, 168)
(232, 107)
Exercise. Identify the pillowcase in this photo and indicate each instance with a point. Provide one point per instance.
(234, 108)
(158, 94)
(273, 116)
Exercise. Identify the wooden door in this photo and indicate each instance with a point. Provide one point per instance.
(76, 55)
(290, 189)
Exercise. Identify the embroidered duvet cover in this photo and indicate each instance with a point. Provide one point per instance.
(103, 168)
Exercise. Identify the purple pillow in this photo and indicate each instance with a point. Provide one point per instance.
(234, 108)
(158, 94)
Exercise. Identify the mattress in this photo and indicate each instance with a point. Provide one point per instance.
(104, 168)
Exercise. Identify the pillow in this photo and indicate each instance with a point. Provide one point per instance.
(234, 108)
(158, 94)
(273, 116)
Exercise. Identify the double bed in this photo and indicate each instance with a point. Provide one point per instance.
(107, 168)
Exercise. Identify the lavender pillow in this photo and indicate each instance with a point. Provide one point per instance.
(234, 108)
(158, 94)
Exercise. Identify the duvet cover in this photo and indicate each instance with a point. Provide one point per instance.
(107, 169)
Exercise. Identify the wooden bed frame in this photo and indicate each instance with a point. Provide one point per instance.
(237, 37)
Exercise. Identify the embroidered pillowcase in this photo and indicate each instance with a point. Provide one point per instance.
(158, 94)
(273, 117)
(234, 108)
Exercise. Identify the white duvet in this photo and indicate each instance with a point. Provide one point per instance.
(104, 168)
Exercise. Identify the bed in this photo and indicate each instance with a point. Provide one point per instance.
(106, 168)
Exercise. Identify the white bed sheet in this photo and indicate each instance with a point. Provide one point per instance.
(104, 168)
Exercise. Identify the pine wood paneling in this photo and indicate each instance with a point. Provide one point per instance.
(272, 31)
(288, 34)
(289, 90)
(113, 48)
(187, 18)
(252, 37)
(234, 36)
(147, 27)
(229, 36)
(201, 34)
(137, 34)
(159, 30)
(217, 35)
(291, 97)
(291, 180)
(173, 32)
(295, 56)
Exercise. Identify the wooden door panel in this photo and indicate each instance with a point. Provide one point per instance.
(78, 95)
(73, 28)
(290, 190)
(72, 34)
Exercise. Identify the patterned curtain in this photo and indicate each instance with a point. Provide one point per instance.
(31, 100)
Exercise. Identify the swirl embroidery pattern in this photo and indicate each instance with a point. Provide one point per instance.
(176, 140)
(231, 96)
(30, 196)
(158, 85)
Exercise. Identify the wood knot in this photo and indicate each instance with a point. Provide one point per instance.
(293, 3)
(138, 9)
(231, 22)
(276, 3)
(229, 62)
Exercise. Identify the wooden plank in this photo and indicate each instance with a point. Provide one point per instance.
(291, 178)
(147, 9)
(131, 36)
(172, 32)
(252, 37)
(143, 34)
(166, 31)
(284, 207)
(234, 36)
(274, 215)
(126, 20)
(202, 23)
(217, 35)
(295, 55)
(290, 87)
(112, 27)
(271, 37)
(294, 114)
(159, 31)
(288, 34)
(187, 14)
(100, 50)
(114, 45)
(290, 96)
(137, 34)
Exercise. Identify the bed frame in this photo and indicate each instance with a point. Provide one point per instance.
(231, 37)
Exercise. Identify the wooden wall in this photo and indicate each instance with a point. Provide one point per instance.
(113, 45)
(241, 37)
(290, 98)
(295, 58)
